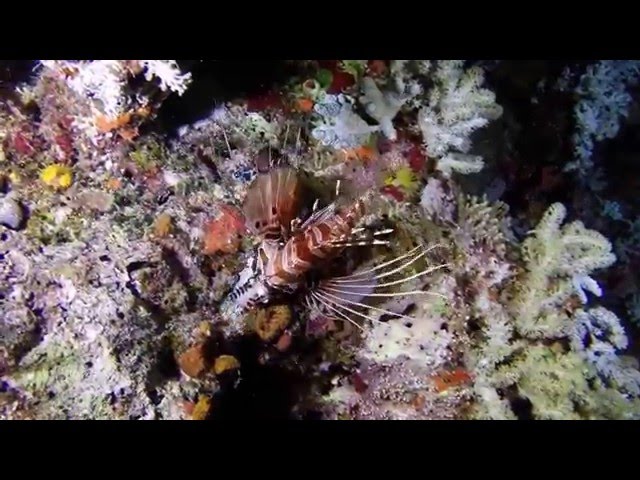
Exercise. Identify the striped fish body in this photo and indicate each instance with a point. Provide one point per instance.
(320, 240)
(286, 256)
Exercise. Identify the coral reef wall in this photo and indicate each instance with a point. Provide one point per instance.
(492, 281)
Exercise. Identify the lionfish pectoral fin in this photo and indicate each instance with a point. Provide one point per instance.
(350, 295)
(348, 303)
(332, 308)
(272, 202)
(351, 300)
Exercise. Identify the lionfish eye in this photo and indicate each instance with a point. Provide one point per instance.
(263, 256)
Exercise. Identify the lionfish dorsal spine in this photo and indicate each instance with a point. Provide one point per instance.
(272, 202)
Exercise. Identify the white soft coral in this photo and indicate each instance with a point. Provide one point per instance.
(457, 107)
(103, 81)
(168, 73)
(339, 126)
(597, 334)
(383, 106)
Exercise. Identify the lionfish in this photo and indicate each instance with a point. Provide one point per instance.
(292, 256)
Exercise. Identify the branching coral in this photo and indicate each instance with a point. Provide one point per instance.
(102, 80)
(461, 163)
(457, 107)
(483, 227)
(482, 239)
(168, 73)
(603, 102)
(556, 259)
(438, 203)
(103, 91)
(106, 81)
(556, 364)
(383, 106)
(339, 125)
(598, 336)
(551, 380)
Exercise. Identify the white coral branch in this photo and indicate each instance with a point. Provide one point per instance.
(168, 73)
(559, 260)
(598, 335)
(340, 126)
(384, 106)
(457, 107)
(461, 163)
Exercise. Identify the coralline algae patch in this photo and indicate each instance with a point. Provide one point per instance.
(224, 233)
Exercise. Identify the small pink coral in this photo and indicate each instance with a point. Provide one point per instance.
(64, 143)
(393, 192)
(417, 159)
(23, 143)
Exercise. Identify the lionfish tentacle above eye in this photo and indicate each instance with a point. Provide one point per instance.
(364, 237)
(272, 202)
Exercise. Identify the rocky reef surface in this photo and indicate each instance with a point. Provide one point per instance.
(122, 231)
